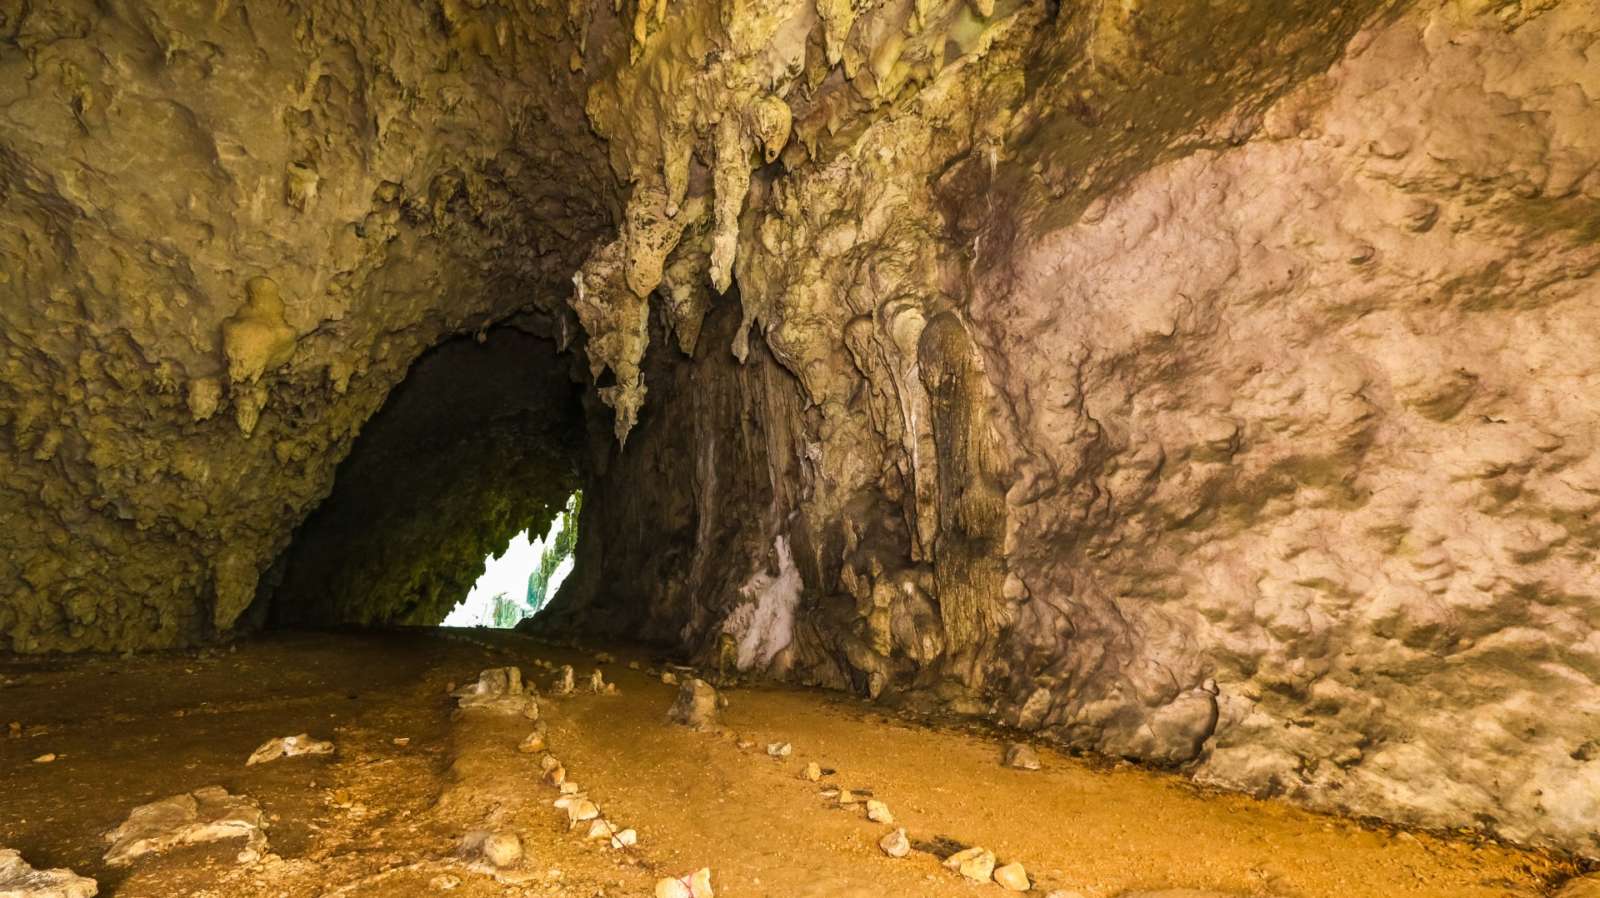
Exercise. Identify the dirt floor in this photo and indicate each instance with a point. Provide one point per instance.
(385, 819)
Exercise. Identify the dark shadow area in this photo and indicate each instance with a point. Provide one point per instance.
(480, 442)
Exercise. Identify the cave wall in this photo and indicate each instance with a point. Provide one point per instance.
(228, 229)
(1211, 386)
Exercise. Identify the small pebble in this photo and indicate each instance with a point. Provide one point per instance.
(813, 772)
(1021, 756)
(976, 864)
(895, 844)
(625, 839)
(779, 749)
(671, 679)
(401, 741)
(444, 882)
(1013, 877)
(633, 665)
(878, 812)
(581, 810)
(531, 743)
(673, 888)
(44, 759)
(502, 849)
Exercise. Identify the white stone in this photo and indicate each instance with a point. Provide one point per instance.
(502, 849)
(976, 864)
(288, 747)
(19, 880)
(1013, 877)
(895, 843)
(208, 814)
(878, 812)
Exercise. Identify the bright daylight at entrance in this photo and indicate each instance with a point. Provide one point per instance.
(523, 578)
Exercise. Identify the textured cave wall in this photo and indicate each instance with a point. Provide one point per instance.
(226, 230)
(479, 442)
(1207, 384)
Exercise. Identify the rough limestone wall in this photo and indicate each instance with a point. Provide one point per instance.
(1308, 423)
(226, 230)
(479, 442)
(1210, 385)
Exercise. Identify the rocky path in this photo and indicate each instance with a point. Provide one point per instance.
(422, 798)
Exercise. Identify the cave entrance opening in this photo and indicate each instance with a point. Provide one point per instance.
(470, 469)
(517, 583)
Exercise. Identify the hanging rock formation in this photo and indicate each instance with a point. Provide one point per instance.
(1207, 384)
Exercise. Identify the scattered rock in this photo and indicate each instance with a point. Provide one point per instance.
(580, 810)
(846, 797)
(695, 706)
(204, 815)
(500, 849)
(401, 741)
(565, 682)
(1021, 756)
(555, 776)
(1012, 877)
(673, 888)
(895, 844)
(878, 812)
(695, 885)
(604, 658)
(444, 882)
(14, 729)
(597, 682)
(633, 665)
(18, 880)
(625, 839)
(813, 772)
(533, 742)
(976, 864)
(288, 747)
(669, 678)
(779, 749)
(48, 758)
(570, 788)
(500, 690)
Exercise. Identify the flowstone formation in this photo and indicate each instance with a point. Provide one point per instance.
(1210, 384)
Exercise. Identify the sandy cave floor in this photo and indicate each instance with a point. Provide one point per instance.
(382, 819)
